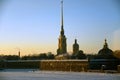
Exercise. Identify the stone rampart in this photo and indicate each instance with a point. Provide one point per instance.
(64, 65)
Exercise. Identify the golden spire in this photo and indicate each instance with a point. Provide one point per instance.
(62, 16)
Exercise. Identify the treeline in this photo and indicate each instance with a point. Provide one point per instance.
(9, 57)
(79, 55)
(49, 55)
(41, 56)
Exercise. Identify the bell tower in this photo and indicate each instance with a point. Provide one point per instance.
(62, 46)
(75, 47)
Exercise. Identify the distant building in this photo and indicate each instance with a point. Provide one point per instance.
(77, 54)
(104, 60)
(62, 45)
(19, 53)
(75, 47)
(105, 52)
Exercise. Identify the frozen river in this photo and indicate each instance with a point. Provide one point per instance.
(50, 75)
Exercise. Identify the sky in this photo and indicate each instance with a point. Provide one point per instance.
(33, 26)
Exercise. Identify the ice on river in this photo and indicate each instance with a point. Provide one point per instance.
(25, 74)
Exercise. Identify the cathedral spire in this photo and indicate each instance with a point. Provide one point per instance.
(62, 45)
(62, 29)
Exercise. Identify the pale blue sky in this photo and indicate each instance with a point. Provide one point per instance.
(34, 25)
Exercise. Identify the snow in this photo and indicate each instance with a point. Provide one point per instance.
(34, 74)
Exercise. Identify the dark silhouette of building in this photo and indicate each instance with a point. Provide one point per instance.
(75, 47)
(19, 54)
(105, 53)
(77, 54)
(104, 60)
(62, 45)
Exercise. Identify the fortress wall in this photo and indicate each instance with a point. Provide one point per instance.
(49, 65)
(61, 65)
(64, 65)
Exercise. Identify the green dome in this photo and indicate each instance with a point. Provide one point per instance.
(105, 52)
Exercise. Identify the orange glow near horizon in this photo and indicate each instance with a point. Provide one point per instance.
(33, 27)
